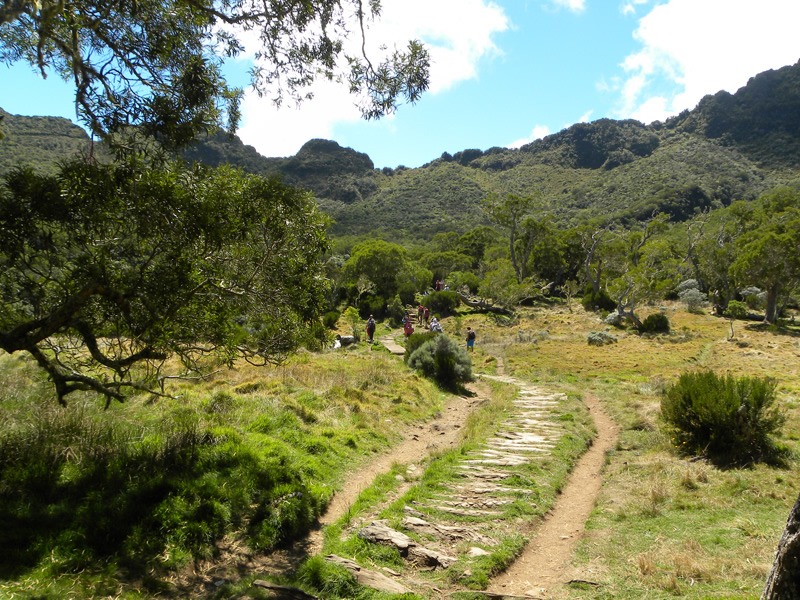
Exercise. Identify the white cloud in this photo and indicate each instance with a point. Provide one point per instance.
(691, 48)
(576, 6)
(538, 132)
(457, 33)
(629, 7)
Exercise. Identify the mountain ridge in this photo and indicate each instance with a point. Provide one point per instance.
(729, 147)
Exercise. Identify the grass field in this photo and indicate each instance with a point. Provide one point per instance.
(119, 503)
(665, 526)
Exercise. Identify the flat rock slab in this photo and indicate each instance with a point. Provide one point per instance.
(371, 579)
(381, 533)
(446, 533)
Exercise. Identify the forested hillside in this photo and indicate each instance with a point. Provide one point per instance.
(39, 141)
(730, 147)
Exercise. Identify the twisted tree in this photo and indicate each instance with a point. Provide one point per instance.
(107, 271)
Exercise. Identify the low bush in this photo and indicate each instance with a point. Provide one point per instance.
(443, 360)
(729, 419)
(694, 299)
(415, 340)
(600, 338)
(442, 304)
(655, 323)
(395, 311)
(330, 319)
(597, 301)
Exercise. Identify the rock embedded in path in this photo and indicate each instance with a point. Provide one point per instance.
(378, 532)
(446, 533)
(429, 558)
(371, 579)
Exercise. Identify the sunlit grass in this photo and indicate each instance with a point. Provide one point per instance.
(664, 526)
(154, 483)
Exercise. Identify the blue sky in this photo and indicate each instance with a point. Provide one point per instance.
(506, 72)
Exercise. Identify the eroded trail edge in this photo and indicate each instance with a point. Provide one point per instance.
(420, 441)
(545, 561)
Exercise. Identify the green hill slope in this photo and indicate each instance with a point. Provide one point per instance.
(39, 141)
(730, 147)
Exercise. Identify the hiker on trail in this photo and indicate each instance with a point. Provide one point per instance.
(370, 328)
(435, 325)
(408, 328)
(470, 339)
(420, 312)
(425, 316)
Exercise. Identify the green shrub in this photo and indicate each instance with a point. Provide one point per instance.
(728, 419)
(415, 340)
(461, 279)
(396, 310)
(372, 305)
(330, 319)
(353, 319)
(443, 360)
(597, 301)
(655, 323)
(442, 304)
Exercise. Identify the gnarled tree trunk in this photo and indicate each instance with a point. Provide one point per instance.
(783, 582)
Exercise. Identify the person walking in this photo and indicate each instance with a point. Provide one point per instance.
(370, 328)
(408, 328)
(470, 339)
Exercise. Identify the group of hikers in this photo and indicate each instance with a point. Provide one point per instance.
(423, 316)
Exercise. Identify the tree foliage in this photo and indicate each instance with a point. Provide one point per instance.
(768, 254)
(157, 62)
(103, 268)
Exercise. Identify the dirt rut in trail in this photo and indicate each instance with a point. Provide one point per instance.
(419, 441)
(544, 564)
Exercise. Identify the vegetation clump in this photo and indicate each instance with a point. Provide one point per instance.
(731, 420)
(600, 338)
(443, 304)
(655, 323)
(415, 340)
(690, 294)
(599, 300)
(442, 360)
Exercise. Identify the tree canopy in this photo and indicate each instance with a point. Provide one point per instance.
(103, 268)
(156, 63)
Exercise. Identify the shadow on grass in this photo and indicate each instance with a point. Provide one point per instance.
(787, 328)
(144, 510)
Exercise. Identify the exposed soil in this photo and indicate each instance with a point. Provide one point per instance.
(418, 443)
(544, 565)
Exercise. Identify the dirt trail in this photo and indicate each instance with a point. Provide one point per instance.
(419, 441)
(544, 564)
